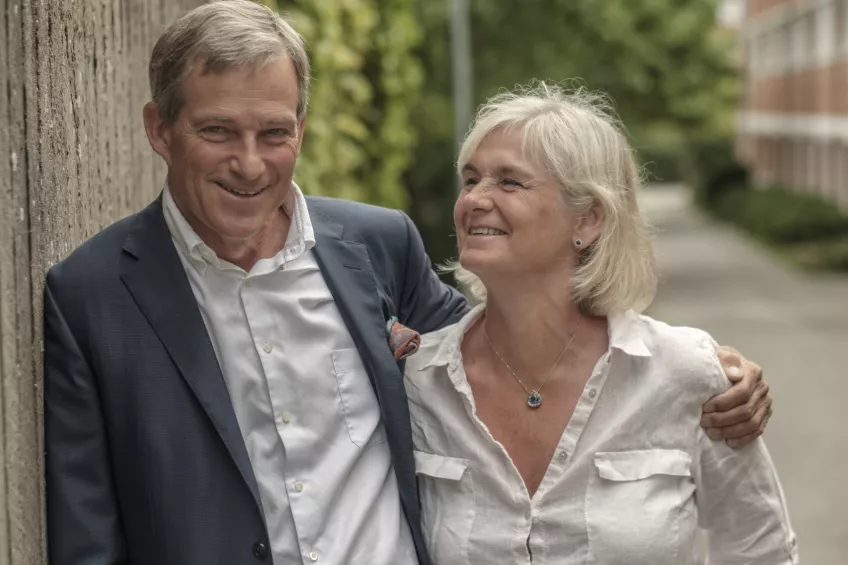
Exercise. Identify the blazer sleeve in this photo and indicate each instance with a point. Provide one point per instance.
(427, 304)
(83, 522)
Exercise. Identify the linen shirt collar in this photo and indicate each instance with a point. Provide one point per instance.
(623, 327)
(300, 238)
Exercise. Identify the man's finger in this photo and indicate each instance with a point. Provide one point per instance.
(738, 442)
(731, 361)
(755, 424)
(739, 413)
(737, 395)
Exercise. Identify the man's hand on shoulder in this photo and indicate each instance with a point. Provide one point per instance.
(740, 414)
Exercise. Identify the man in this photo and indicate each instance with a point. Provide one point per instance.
(219, 386)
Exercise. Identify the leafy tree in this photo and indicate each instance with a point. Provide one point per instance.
(668, 70)
(359, 140)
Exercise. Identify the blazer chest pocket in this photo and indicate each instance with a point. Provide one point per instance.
(633, 502)
(446, 490)
(358, 403)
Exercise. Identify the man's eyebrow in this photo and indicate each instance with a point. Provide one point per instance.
(279, 121)
(216, 118)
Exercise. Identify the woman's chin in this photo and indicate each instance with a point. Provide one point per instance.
(479, 262)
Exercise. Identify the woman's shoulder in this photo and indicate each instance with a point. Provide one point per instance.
(683, 355)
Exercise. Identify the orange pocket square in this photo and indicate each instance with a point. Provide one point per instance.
(402, 340)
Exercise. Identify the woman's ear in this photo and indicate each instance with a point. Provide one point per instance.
(590, 225)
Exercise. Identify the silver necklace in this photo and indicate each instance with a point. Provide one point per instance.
(534, 397)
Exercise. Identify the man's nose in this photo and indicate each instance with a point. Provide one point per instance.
(248, 162)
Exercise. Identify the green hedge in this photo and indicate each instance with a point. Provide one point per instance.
(781, 216)
(806, 229)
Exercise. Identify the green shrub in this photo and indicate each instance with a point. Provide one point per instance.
(829, 255)
(781, 216)
(662, 164)
(714, 170)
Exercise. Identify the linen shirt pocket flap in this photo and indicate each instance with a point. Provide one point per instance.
(638, 465)
(439, 466)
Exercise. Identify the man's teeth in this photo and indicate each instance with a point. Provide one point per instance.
(240, 193)
(486, 231)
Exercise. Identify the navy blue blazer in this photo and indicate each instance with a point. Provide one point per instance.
(145, 463)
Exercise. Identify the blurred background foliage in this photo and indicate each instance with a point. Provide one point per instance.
(380, 122)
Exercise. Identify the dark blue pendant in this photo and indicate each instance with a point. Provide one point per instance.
(534, 400)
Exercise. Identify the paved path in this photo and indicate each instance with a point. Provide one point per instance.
(796, 326)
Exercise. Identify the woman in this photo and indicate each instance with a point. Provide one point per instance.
(555, 424)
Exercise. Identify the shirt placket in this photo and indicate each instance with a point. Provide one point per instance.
(456, 373)
(285, 416)
(560, 462)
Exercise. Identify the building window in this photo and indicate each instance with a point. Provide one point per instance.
(798, 42)
(843, 21)
(825, 35)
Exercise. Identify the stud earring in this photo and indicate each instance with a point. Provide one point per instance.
(577, 243)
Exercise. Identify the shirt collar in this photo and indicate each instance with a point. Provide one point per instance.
(301, 236)
(625, 335)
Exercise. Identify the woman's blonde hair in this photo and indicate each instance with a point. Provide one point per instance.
(575, 135)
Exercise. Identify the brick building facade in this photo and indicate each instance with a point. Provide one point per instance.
(793, 120)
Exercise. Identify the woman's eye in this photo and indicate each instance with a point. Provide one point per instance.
(511, 182)
(470, 182)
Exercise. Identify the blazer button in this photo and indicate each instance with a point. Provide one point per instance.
(260, 551)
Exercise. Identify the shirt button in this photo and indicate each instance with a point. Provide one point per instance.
(592, 393)
(313, 556)
(298, 486)
(260, 551)
(286, 418)
(267, 348)
(563, 455)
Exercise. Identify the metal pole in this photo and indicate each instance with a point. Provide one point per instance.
(461, 67)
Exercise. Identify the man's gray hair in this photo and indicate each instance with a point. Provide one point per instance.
(218, 36)
(576, 137)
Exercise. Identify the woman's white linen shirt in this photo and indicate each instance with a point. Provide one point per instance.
(632, 480)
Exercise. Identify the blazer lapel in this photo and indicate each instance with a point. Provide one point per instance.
(347, 270)
(155, 277)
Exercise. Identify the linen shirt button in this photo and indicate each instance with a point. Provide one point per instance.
(298, 486)
(313, 556)
(260, 551)
(563, 455)
(593, 393)
(286, 418)
(267, 348)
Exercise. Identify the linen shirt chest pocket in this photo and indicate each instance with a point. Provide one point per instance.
(446, 490)
(359, 406)
(633, 503)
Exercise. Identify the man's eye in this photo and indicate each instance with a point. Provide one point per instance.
(214, 130)
(511, 182)
(277, 132)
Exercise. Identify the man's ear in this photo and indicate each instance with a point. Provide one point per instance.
(590, 224)
(158, 132)
(301, 130)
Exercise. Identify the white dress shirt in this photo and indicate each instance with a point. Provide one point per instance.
(632, 479)
(303, 401)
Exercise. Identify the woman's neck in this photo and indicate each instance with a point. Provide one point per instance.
(530, 327)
